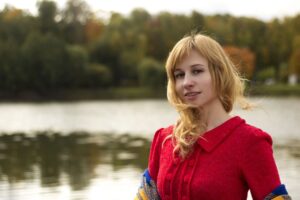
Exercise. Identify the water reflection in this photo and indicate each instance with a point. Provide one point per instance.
(77, 155)
(291, 146)
(84, 163)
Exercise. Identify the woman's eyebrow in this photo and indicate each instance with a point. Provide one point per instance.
(191, 66)
(197, 65)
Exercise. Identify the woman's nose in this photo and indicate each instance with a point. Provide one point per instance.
(188, 82)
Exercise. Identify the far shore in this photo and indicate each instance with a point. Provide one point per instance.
(131, 93)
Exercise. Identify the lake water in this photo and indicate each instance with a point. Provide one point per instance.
(98, 149)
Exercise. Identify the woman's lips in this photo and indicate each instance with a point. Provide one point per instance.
(191, 95)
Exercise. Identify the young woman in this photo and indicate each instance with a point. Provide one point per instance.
(208, 154)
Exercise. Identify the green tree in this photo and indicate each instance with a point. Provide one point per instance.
(44, 60)
(47, 11)
(75, 67)
(107, 50)
(198, 21)
(277, 46)
(266, 74)
(222, 28)
(98, 75)
(294, 61)
(251, 33)
(121, 47)
(16, 24)
(139, 19)
(74, 17)
(164, 31)
(12, 75)
(151, 73)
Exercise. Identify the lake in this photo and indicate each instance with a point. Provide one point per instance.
(98, 149)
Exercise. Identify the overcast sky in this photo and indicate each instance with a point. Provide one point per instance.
(262, 9)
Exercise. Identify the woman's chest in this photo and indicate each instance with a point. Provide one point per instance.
(207, 175)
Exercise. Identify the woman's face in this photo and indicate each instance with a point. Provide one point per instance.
(193, 81)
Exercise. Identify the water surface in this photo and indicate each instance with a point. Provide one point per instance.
(91, 149)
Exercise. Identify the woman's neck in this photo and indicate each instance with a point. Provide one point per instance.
(214, 115)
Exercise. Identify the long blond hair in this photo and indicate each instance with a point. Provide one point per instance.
(227, 82)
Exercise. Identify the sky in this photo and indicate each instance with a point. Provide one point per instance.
(261, 9)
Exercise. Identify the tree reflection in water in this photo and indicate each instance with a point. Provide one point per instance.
(49, 160)
(48, 156)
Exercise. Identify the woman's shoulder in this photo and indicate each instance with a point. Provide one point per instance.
(253, 134)
(155, 150)
(162, 133)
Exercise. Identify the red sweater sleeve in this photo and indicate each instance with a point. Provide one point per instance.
(154, 157)
(258, 165)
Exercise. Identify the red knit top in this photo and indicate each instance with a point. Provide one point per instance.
(231, 159)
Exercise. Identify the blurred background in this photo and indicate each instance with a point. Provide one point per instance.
(83, 88)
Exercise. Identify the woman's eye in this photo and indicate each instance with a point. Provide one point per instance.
(178, 75)
(197, 71)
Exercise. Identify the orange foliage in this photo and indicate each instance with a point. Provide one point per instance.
(294, 63)
(93, 29)
(12, 13)
(243, 59)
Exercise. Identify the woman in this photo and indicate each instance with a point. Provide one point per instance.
(208, 154)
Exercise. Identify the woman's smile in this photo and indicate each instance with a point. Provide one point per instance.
(191, 95)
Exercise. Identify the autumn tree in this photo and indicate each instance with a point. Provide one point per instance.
(93, 29)
(294, 61)
(243, 58)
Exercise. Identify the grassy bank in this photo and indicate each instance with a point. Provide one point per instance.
(274, 90)
(113, 93)
(133, 93)
(86, 94)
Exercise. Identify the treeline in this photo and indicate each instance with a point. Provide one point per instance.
(75, 48)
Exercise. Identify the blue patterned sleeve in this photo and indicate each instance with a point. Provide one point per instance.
(147, 189)
(279, 193)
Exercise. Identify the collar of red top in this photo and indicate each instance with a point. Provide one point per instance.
(214, 137)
